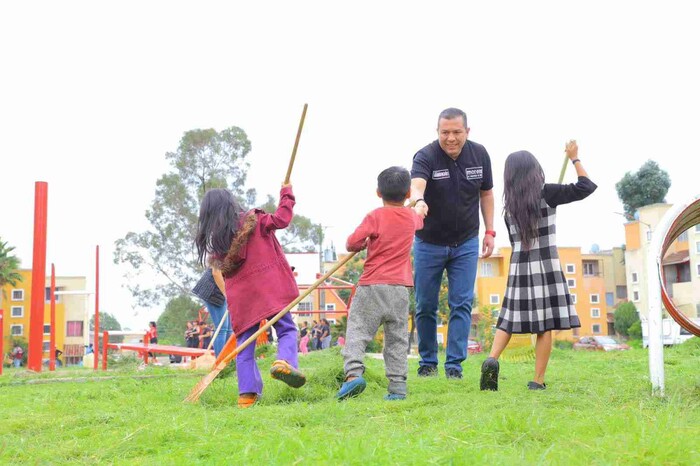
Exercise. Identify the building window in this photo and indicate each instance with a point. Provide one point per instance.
(494, 299)
(698, 266)
(610, 298)
(17, 311)
(648, 235)
(16, 330)
(595, 312)
(683, 236)
(571, 282)
(697, 228)
(47, 294)
(47, 329)
(697, 247)
(46, 346)
(305, 306)
(573, 298)
(635, 296)
(17, 295)
(635, 277)
(570, 268)
(74, 328)
(596, 328)
(589, 269)
(621, 292)
(330, 307)
(486, 269)
(595, 298)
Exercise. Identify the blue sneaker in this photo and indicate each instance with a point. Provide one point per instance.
(351, 388)
(394, 397)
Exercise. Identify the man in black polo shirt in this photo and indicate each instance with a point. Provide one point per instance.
(450, 180)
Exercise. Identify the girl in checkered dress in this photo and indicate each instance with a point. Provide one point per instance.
(537, 299)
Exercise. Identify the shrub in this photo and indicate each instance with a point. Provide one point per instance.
(625, 315)
(635, 330)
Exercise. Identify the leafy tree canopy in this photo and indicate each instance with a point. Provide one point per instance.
(647, 186)
(107, 322)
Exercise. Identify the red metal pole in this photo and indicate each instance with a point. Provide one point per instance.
(2, 339)
(105, 342)
(52, 338)
(36, 316)
(96, 345)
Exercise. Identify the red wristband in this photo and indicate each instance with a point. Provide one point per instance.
(491, 232)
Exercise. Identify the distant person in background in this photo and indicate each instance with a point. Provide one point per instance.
(17, 356)
(58, 353)
(211, 290)
(205, 335)
(325, 334)
(304, 342)
(88, 349)
(152, 337)
(341, 340)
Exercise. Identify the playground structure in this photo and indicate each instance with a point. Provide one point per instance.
(678, 219)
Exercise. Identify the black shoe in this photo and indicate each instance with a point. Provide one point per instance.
(489, 375)
(427, 371)
(453, 373)
(536, 386)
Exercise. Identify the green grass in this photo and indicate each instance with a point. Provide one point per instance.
(597, 410)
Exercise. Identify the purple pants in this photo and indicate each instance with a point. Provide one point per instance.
(249, 380)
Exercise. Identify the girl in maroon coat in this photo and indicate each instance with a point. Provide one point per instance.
(259, 281)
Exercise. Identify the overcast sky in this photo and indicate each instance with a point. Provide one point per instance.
(93, 94)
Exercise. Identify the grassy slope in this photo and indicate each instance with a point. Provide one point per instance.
(597, 410)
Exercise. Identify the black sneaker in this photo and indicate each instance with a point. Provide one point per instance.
(427, 371)
(453, 373)
(536, 386)
(489, 375)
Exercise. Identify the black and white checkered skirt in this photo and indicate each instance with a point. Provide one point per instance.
(537, 298)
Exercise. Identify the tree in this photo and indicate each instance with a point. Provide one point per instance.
(648, 185)
(107, 322)
(173, 321)
(301, 235)
(9, 264)
(204, 159)
(625, 316)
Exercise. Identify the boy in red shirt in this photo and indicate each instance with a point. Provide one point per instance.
(382, 292)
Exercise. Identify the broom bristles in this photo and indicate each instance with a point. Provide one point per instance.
(204, 383)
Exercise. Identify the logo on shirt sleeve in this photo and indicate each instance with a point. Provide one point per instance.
(474, 173)
(441, 174)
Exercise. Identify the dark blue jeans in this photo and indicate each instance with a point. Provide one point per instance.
(430, 260)
(216, 313)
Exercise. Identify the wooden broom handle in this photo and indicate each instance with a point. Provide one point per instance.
(281, 313)
(296, 144)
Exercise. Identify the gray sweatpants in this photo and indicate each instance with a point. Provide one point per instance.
(372, 306)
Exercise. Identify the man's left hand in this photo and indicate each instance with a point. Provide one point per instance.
(487, 246)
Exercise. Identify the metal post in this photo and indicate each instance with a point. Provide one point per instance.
(2, 338)
(36, 317)
(96, 344)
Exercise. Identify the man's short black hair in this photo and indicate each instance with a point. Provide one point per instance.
(452, 113)
(394, 183)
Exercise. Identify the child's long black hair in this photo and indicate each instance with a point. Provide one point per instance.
(523, 178)
(218, 223)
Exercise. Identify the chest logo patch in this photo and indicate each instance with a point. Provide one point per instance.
(474, 173)
(441, 174)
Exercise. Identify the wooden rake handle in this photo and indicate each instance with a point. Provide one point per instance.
(296, 144)
(281, 313)
(563, 168)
